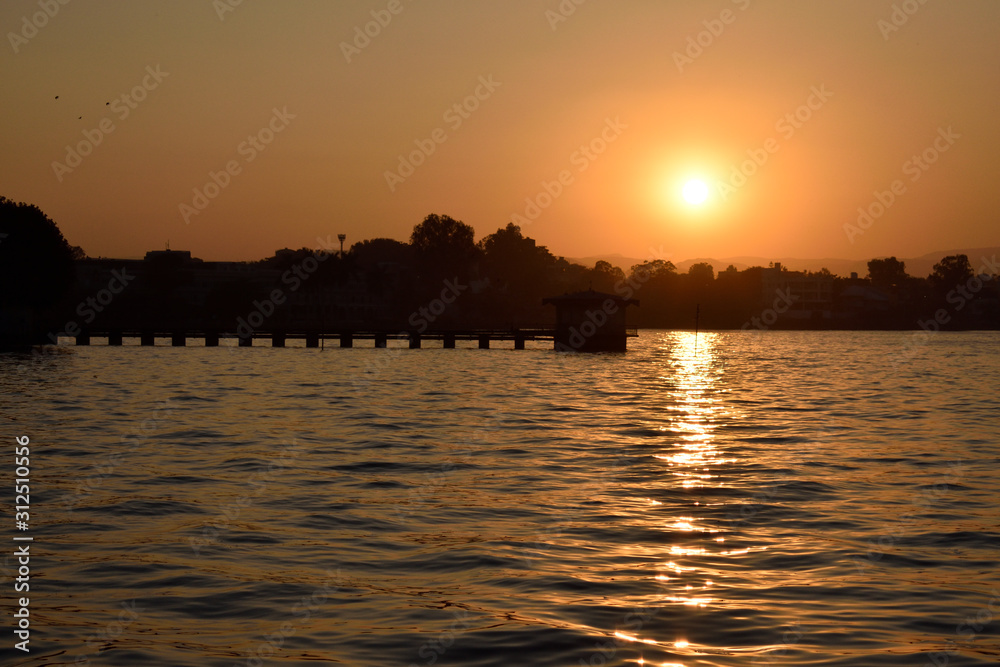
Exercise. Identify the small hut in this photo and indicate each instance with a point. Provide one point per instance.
(590, 321)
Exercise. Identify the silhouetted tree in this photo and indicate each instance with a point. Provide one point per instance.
(950, 272)
(606, 276)
(657, 268)
(373, 253)
(569, 276)
(513, 260)
(509, 247)
(36, 262)
(701, 274)
(385, 266)
(888, 273)
(443, 245)
(285, 258)
(520, 274)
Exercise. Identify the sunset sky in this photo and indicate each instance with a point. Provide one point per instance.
(872, 87)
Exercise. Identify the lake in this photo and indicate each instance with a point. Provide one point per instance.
(786, 498)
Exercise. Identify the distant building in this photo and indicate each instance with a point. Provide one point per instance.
(591, 321)
(171, 256)
(811, 294)
(863, 302)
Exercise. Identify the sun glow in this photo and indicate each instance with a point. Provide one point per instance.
(695, 192)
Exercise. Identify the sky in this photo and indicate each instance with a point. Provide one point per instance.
(847, 128)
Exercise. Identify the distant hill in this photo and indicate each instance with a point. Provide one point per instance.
(919, 267)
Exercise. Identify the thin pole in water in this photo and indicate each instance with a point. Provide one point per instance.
(697, 314)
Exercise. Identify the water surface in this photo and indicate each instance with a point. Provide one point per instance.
(799, 498)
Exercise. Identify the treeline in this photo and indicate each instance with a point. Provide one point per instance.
(507, 274)
(442, 277)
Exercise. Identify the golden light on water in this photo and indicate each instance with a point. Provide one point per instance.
(686, 551)
(691, 564)
(688, 456)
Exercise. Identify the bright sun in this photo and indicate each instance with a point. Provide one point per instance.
(695, 192)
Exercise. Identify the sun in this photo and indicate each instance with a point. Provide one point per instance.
(695, 192)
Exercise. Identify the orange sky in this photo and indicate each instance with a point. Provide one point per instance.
(620, 77)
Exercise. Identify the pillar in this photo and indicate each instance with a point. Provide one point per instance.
(380, 340)
(146, 339)
(83, 338)
(277, 339)
(312, 340)
(212, 339)
(518, 342)
(178, 340)
(346, 340)
(414, 341)
(449, 341)
(484, 342)
(115, 338)
(246, 341)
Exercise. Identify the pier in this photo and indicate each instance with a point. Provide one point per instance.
(338, 338)
(585, 322)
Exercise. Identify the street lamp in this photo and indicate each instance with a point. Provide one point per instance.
(342, 237)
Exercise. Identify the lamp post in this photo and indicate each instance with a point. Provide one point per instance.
(342, 237)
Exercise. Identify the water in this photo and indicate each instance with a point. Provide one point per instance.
(785, 498)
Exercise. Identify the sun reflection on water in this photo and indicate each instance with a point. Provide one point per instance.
(688, 379)
(688, 565)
